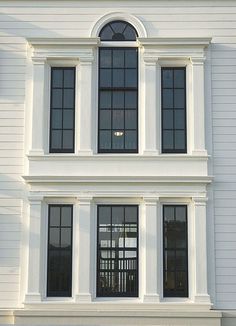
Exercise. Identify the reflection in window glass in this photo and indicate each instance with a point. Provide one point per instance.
(117, 251)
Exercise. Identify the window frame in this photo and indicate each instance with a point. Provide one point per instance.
(136, 294)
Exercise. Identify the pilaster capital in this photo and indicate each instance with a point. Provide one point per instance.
(151, 200)
(199, 201)
(35, 199)
(84, 200)
(38, 60)
(198, 61)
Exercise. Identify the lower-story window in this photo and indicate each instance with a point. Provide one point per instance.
(59, 269)
(175, 247)
(117, 251)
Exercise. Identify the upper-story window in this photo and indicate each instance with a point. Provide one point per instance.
(118, 90)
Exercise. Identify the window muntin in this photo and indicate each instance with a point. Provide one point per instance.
(118, 100)
(62, 110)
(173, 98)
(118, 31)
(175, 251)
(59, 268)
(117, 251)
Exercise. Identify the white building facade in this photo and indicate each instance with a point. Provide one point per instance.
(117, 154)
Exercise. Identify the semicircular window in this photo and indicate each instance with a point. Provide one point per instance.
(118, 31)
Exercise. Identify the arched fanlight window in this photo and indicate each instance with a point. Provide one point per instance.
(118, 31)
(118, 90)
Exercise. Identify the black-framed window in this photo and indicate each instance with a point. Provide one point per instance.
(175, 251)
(59, 268)
(173, 99)
(117, 251)
(62, 110)
(118, 91)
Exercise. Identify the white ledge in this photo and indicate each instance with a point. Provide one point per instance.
(170, 41)
(89, 41)
(118, 179)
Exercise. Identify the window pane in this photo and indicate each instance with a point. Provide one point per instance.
(179, 119)
(179, 98)
(130, 119)
(105, 119)
(168, 119)
(57, 78)
(167, 99)
(56, 139)
(68, 141)
(168, 139)
(118, 78)
(66, 216)
(104, 215)
(68, 99)
(131, 214)
(54, 238)
(68, 119)
(105, 77)
(57, 98)
(55, 216)
(118, 119)
(130, 77)
(170, 260)
(130, 139)
(117, 140)
(69, 78)
(118, 59)
(131, 58)
(105, 139)
(66, 238)
(179, 78)
(105, 58)
(107, 33)
(118, 99)
(130, 34)
(180, 139)
(56, 119)
(167, 78)
(130, 100)
(105, 100)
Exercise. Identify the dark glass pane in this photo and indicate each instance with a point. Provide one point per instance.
(168, 139)
(131, 214)
(105, 100)
(68, 119)
(57, 78)
(130, 34)
(131, 58)
(105, 58)
(104, 215)
(168, 119)
(130, 119)
(54, 237)
(118, 119)
(105, 119)
(118, 237)
(118, 78)
(130, 139)
(104, 238)
(57, 98)
(130, 78)
(170, 260)
(106, 33)
(65, 238)
(118, 99)
(56, 119)
(181, 261)
(179, 98)
(118, 59)
(131, 100)
(118, 37)
(180, 139)
(105, 77)
(181, 281)
(118, 217)
(68, 99)
(167, 78)
(170, 281)
(68, 141)
(179, 78)
(179, 119)
(54, 216)
(170, 235)
(56, 139)
(181, 235)
(118, 27)
(180, 213)
(117, 140)
(105, 139)
(66, 216)
(69, 78)
(167, 99)
(169, 213)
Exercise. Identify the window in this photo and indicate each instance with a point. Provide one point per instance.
(62, 117)
(175, 251)
(117, 251)
(59, 250)
(118, 91)
(173, 94)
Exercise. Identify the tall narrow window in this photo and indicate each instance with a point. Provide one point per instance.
(118, 91)
(59, 250)
(62, 117)
(175, 247)
(174, 110)
(117, 251)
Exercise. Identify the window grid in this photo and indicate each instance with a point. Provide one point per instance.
(118, 31)
(59, 262)
(175, 256)
(61, 146)
(115, 90)
(117, 275)
(174, 146)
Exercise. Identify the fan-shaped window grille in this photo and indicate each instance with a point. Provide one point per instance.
(118, 31)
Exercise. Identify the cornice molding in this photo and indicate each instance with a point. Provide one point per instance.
(60, 42)
(174, 41)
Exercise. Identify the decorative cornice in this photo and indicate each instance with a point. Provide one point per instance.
(82, 41)
(173, 42)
